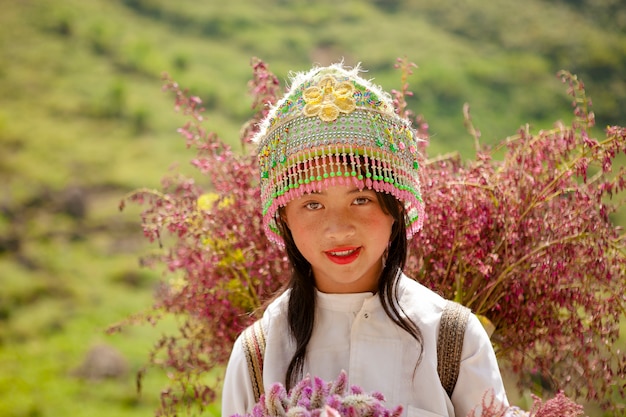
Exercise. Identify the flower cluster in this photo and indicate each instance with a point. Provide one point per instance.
(521, 234)
(559, 406)
(313, 397)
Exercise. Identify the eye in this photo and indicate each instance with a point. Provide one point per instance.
(313, 205)
(359, 201)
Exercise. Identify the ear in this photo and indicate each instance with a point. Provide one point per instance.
(281, 216)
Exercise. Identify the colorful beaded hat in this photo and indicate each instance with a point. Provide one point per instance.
(334, 127)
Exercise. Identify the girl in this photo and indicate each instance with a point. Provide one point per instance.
(340, 192)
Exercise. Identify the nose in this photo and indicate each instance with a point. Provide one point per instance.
(338, 225)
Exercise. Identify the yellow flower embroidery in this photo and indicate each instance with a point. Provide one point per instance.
(329, 98)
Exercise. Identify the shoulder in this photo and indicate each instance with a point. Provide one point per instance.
(475, 334)
(419, 301)
(275, 323)
(410, 287)
(416, 298)
(276, 309)
(238, 394)
(426, 307)
(237, 391)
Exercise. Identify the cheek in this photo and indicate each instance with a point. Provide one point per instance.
(297, 230)
(387, 225)
(304, 238)
(379, 220)
(297, 224)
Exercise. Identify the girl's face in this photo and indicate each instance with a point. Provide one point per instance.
(343, 233)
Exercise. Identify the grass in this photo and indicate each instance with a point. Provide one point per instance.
(82, 114)
(55, 320)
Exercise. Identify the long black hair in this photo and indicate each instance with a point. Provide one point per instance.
(301, 307)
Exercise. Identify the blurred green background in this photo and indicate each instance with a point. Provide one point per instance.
(83, 121)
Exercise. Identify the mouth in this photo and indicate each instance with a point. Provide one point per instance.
(343, 256)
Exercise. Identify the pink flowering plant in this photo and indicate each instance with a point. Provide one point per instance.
(314, 397)
(526, 241)
(521, 234)
(558, 406)
(219, 269)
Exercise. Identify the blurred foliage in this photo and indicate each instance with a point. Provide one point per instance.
(82, 121)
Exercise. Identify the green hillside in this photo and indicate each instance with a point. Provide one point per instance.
(83, 121)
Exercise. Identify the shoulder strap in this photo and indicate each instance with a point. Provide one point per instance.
(254, 348)
(450, 343)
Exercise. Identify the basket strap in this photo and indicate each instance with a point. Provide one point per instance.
(450, 344)
(254, 348)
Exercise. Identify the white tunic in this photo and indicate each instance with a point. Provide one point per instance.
(353, 333)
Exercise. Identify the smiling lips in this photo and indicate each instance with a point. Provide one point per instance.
(343, 256)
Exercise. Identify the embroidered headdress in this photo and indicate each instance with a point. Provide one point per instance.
(334, 127)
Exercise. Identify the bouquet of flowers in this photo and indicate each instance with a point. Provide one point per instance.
(313, 397)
